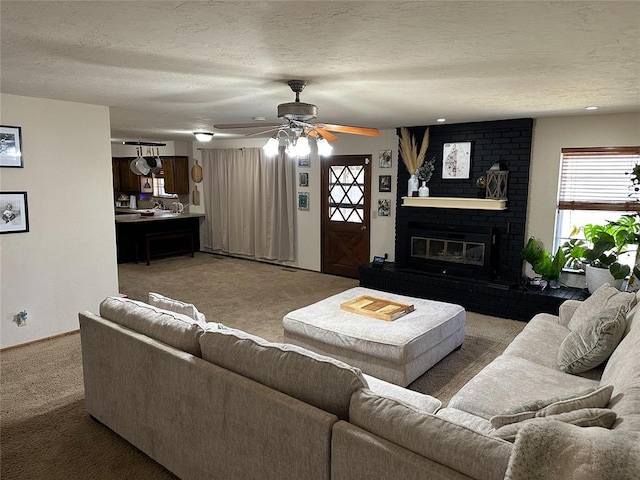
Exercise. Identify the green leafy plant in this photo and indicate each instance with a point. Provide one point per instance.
(603, 245)
(543, 263)
(425, 171)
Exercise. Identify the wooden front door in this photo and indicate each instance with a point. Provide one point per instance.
(346, 211)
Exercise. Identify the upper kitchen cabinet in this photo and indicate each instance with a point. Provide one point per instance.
(176, 174)
(124, 180)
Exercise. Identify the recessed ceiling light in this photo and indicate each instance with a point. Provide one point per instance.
(441, 120)
(592, 107)
(259, 119)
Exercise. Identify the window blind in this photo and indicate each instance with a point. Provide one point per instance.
(598, 179)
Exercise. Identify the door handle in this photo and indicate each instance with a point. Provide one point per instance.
(363, 227)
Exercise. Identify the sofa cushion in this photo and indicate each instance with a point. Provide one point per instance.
(509, 380)
(592, 340)
(175, 329)
(603, 298)
(466, 419)
(623, 372)
(423, 402)
(188, 309)
(585, 417)
(595, 397)
(539, 341)
(458, 447)
(315, 379)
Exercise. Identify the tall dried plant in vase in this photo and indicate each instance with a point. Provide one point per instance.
(412, 157)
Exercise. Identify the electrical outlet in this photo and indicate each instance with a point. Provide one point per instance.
(374, 213)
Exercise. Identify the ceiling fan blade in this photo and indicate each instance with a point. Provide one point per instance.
(229, 126)
(326, 134)
(255, 134)
(371, 132)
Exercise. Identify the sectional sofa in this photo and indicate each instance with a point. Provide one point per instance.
(208, 401)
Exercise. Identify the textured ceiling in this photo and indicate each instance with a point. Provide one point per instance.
(169, 68)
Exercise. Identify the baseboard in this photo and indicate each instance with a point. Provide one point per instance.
(39, 340)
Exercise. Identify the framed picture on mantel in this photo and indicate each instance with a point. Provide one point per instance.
(456, 160)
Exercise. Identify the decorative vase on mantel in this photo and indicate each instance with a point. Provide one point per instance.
(413, 185)
(423, 191)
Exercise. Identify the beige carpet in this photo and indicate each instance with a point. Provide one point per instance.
(45, 432)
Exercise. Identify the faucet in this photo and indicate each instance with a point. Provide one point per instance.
(177, 207)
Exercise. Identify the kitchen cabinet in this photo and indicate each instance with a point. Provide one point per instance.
(124, 180)
(176, 174)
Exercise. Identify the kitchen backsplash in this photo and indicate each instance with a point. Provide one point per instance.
(146, 201)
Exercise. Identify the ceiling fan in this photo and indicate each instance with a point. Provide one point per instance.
(298, 127)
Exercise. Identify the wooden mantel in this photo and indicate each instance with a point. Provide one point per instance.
(455, 202)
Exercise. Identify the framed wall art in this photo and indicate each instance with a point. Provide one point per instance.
(384, 183)
(456, 160)
(303, 201)
(304, 161)
(303, 179)
(15, 214)
(384, 207)
(385, 158)
(11, 146)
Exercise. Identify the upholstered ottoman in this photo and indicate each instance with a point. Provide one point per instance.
(397, 351)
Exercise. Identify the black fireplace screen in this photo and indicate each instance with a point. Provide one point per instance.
(470, 253)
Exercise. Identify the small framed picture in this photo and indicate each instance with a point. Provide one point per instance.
(304, 161)
(11, 146)
(385, 158)
(303, 201)
(384, 183)
(15, 214)
(456, 160)
(384, 207)
(303, 179)
(146, 184)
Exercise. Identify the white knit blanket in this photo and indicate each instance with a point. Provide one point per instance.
(558, 451)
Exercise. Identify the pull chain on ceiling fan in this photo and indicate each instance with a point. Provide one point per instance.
(298, 129)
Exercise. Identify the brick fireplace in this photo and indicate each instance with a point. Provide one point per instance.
(448, 269)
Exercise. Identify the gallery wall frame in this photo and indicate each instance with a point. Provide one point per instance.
(304, 162)
(303, 201)
(456, 160)
(384, 183)
(11, 147)
(385, 158)
(15, 212)
(303, 179)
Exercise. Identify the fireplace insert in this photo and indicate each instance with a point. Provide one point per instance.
(452, 250)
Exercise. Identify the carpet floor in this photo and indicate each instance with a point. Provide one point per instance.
(45, 432)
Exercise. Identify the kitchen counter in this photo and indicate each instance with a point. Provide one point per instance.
(159, 215)
(134, 230)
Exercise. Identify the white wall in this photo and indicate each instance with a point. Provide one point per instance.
(550, 135)
(66, 263)
(307, 235)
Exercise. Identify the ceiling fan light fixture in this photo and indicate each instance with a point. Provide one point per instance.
(298, 147)
(271, 147)
(324, 147)
(203, 136)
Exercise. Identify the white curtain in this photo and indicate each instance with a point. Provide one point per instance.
(249, 203)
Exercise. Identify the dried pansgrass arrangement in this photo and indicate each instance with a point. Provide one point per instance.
(411, 157)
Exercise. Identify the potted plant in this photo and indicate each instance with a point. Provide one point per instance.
(548, 266)
(600, 252)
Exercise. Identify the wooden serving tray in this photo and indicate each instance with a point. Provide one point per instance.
(380, 308)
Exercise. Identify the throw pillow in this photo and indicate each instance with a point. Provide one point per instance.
(592, 398)
(593, 340)
(604, 297)
(188, 309)
(585, 417)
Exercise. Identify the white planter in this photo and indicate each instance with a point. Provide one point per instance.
(596, 277)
